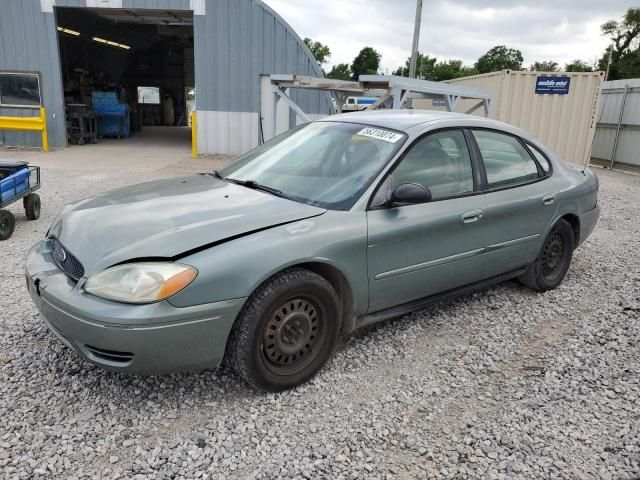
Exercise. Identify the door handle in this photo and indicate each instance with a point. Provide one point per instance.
(548, 199)
(472, 216)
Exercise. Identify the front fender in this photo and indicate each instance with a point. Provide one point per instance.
(236, 268)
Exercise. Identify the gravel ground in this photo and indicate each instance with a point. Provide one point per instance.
(504, 383)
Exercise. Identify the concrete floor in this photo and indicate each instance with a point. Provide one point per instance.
(153, 148)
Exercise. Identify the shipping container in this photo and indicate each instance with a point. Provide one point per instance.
(558, 108)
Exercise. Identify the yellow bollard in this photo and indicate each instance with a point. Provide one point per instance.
(194, 136)
(45, 136)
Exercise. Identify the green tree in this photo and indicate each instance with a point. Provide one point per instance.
(428, 68)
(450, 69)
(366, 63)
(629, 66)
(625, 37)
(546, 66)
(320, 51)
(500, 58)
(578, 66)
(342, 71)
(424, 67)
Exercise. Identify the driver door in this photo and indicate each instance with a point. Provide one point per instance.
(416, 251)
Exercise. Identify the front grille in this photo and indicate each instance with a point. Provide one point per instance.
(110, 355)
(66, 262)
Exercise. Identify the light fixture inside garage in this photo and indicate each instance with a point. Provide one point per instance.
(111, 43)
(68, 31)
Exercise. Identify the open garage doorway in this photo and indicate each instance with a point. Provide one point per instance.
(128, 77)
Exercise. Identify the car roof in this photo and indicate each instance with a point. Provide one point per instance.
(405, 120)
(395, 119)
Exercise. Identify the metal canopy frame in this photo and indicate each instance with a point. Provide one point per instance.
(392, 92)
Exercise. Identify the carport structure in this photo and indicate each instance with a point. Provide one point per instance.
(392, 92)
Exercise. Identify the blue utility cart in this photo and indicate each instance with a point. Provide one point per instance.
(18, 181)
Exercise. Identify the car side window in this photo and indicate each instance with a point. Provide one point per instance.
(543, 161)
(505, 159)
(439, 162)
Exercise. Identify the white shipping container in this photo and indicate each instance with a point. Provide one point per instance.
(564, 123)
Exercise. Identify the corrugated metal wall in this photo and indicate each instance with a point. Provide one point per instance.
(564, 123)
(235, 41)
(28, 43)
(627, 151)
(231, 55)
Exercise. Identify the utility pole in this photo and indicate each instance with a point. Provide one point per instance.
(416, 40)
(606, 75)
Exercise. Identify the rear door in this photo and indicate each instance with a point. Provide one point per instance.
(415, 251)
(520, 201)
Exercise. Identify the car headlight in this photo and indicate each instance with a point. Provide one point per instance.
(141, 282)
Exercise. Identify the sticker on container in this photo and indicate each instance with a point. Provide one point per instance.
(379, 134)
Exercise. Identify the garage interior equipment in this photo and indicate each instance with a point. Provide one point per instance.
(124, 70)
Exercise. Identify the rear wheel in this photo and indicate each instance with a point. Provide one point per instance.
(7, 224)
(286, 332)
(552, 264)
(32, 206)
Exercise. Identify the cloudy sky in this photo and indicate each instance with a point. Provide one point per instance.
(463, 29)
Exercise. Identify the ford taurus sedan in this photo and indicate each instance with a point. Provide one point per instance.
(329, 227)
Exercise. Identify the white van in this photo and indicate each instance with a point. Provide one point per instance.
(355, 104)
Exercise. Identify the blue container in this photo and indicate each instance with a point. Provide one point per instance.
(112, 109)
(14, 184)
(113, 119)
(104, 98)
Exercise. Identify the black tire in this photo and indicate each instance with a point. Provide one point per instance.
(7, 224)
(32, 206)
(552, 264)
(286, 331)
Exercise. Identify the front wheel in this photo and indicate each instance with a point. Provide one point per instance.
(286, 331)
(552, 264)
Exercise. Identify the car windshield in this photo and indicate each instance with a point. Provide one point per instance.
(326, 164)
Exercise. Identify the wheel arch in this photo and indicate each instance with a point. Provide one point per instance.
(573, 220)
(341, 285)
(336, 278)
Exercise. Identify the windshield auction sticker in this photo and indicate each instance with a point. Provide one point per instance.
(379, 134)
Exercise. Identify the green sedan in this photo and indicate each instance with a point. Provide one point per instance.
(330, 227)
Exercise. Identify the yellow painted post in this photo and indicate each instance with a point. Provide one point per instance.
(45, 136)
(194, 136)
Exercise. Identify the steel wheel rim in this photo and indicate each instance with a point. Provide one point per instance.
(552, 255)
(36, 207)
(292, 336)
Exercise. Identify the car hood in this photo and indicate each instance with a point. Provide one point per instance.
(166, 218)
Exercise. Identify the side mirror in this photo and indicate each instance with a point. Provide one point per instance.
(409, 194)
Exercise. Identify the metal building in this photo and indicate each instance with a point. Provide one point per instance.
(617, 141)
(220, 49)
(559, 108)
